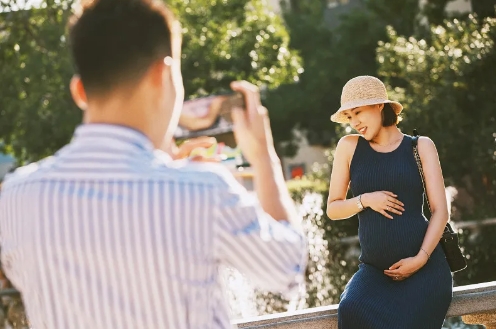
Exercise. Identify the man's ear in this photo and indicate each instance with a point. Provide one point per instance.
(157, 72)
(78, 93)
(381, 106)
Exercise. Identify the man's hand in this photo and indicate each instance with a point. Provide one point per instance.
(251, 126)
(197, 145)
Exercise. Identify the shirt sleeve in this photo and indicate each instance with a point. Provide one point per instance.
(271, 253)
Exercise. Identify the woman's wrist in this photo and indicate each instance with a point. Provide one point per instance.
(423, 256)
(425, 252)
(364, 199)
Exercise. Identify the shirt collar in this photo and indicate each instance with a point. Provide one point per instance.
(123, 134)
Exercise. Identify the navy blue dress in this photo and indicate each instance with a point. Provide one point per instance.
(372, 300)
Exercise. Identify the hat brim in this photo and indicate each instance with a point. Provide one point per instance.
(340, 117)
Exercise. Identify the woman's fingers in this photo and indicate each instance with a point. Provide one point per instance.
(385, 214)
(394, 206)
(397, 276)
(394, 200)
(393, 210)
(385, 202)
(393, 274)
(395, 266)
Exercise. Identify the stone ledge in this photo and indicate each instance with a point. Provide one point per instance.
(471, 299)
(476, 299)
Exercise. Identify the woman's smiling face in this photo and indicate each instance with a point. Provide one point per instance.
(366, 120)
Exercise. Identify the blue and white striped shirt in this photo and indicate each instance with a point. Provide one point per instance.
(110, 233)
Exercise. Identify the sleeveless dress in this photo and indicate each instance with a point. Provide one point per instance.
(372, 300)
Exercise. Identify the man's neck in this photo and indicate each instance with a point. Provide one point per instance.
(116, 113)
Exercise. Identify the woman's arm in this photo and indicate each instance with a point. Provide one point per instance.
(337, 205)
(434, 185)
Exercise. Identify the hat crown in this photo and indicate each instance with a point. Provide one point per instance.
(362, 88)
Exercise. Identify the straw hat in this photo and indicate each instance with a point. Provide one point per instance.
(361, 91)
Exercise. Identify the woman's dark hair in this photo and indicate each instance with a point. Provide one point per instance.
(389, 117)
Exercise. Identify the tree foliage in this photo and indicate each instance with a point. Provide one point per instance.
(223, 41)
(37, 113)
(232, 40)
(448, 95)
(305, 105)
(330, 58)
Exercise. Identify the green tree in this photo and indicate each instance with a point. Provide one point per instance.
(484, 8)
(235, 39)
(305, 105)
(448, 94)
(434, 11)
(223, 41)
(330, 58)
(36, 110)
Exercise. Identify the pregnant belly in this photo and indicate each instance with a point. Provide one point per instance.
(383, 241)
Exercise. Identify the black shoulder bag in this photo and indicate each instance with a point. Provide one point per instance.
(449, 239)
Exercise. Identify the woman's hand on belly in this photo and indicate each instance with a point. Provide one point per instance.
(406, 267)
(383, 202)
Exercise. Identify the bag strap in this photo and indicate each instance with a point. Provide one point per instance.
(448, 228)
(419, 164)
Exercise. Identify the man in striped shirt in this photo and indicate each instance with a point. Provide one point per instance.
(112, 233)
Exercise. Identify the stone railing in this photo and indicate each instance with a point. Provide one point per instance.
(476, 304)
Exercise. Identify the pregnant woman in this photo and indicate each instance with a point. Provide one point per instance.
(403, 280)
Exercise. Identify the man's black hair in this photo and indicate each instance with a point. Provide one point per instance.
(114, 42)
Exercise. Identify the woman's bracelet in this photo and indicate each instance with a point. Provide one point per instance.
(428, 256)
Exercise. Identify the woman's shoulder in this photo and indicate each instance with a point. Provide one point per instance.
(349, 140)
(424, 140)
(347, 145)
(426, 147)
